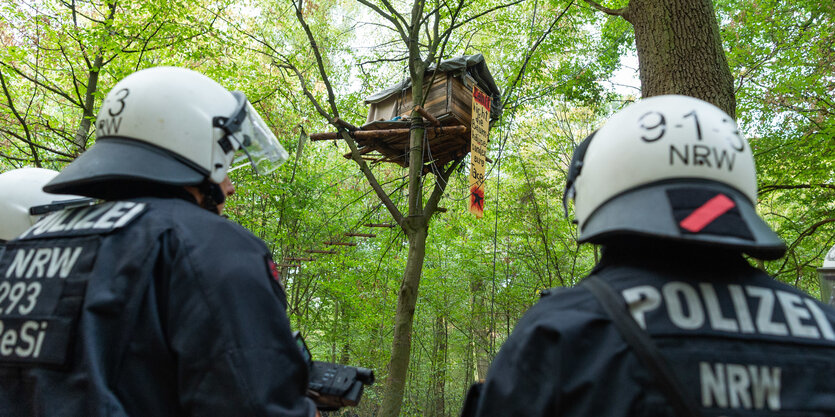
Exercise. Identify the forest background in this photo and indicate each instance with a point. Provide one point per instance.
(561, 67)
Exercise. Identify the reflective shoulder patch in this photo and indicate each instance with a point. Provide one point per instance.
(98, 219)
(42, 289)
(731, 310)
(276, 280)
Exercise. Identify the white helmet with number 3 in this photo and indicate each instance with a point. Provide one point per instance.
(672, 167)
(170, 126)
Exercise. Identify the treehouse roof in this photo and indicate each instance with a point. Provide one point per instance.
(473, 65)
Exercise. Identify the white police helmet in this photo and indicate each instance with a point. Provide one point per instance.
(673, 167)
(170, 126)
(23, 202)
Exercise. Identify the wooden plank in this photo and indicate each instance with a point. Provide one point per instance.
(388, 124)
(447, 104)
(340, 243)
(377, 145)
(380, 225)
(437, 93)
(461, 113)
(360, 234)
(326, 252)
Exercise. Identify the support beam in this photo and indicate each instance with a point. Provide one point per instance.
(425, 114)
(384, 133)
(379, 225)
(361, 234)
(299, 259)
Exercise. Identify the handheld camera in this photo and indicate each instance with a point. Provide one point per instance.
(333, 386)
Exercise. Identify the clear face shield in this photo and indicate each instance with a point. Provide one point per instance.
(257, 145)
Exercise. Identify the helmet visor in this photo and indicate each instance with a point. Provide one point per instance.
(258, 146)
(60, 205)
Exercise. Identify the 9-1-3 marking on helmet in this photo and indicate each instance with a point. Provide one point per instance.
(654, 126)
(655, 122)
(121, 95)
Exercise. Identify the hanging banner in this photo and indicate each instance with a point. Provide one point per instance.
(479, 126)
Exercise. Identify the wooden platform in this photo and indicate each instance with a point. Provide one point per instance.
(446, 112)
(389, 141)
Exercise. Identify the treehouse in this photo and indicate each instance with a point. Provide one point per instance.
(446, 113)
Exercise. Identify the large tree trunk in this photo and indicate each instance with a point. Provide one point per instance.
(680, 50)
(406, 300)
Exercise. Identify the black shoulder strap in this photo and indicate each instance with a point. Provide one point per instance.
(643, 346)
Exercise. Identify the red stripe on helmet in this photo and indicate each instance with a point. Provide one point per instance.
(707, 213)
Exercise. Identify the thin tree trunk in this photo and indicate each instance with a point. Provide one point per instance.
(480, 325)
(402, 339)
(435, 406)
(335, 330)
(468, 359)
(89, 101)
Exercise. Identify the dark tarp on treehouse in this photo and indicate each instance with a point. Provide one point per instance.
(473, 66)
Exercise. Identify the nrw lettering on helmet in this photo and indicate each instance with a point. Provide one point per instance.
(654, 127)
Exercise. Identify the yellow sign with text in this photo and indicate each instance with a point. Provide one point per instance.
(479, 127)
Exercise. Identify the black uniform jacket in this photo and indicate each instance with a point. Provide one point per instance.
(145, 307)
(741, 344)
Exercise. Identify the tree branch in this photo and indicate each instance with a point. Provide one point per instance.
(319, 61)
(438, 191)
(486, 12)
(531, 52)
(804, 234)
(372, 180)
(41, 84)
(306, 91)
(35, 156)
(612, 12)
(32, 144)
(774, 187)
(395, 18)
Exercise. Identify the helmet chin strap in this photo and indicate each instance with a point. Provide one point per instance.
(212, 196)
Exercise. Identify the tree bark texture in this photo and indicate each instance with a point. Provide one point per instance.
(87, 115)
(402, 339)
(480, 322)
(680, 51)
(435, 402)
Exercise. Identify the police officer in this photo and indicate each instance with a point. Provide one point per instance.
(22, 202)
(150, 304)
(673, 320)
